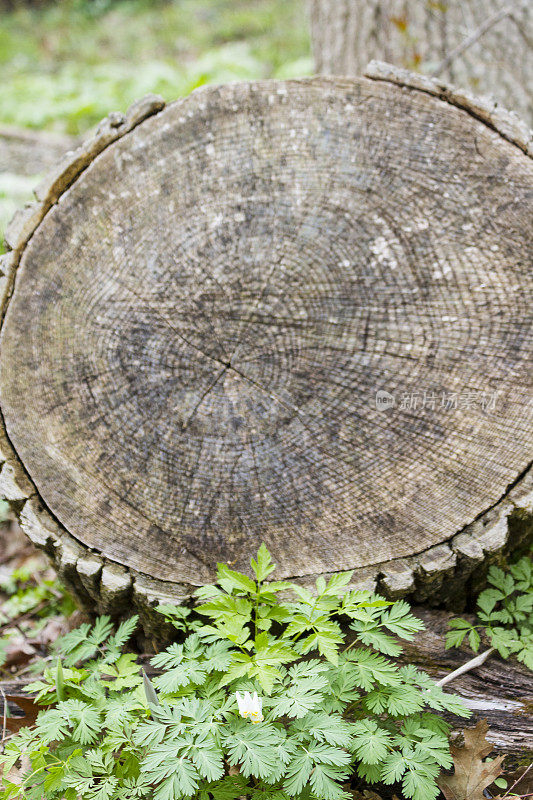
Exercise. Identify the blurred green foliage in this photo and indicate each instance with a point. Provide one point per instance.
(31, 596)
(28, 587)
(4, 505)
(65, 65)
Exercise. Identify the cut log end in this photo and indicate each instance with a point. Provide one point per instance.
(292, 312)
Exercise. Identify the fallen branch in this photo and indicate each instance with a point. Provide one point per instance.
(472, 664)
(497, 690)
(518, 780)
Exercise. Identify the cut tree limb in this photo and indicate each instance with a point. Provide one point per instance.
(206, 307)
(468, 666)
(499, 691)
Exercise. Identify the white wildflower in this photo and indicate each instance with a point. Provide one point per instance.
(250, 706)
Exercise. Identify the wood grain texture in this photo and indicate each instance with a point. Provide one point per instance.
(420, 34)
(203, 304)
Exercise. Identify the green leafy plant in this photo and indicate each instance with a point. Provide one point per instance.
(266, 696)
(505, 614)
(28, 587)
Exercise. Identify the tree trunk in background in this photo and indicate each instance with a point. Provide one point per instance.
(489, 43)
(28, 152)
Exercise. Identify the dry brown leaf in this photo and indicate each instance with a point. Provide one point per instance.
(30, 708)
(366, 795)
(471, 773)
(18, 652)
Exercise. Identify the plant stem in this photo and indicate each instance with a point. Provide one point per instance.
(4, 722)
(523, 775)
(472, 664)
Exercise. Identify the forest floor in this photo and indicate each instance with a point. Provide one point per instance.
(62, 68)
(34, 608)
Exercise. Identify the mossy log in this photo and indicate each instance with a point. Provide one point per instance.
(293, 312)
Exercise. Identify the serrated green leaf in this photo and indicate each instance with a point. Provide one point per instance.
(338, 583)
(487, 600)
(299, 697)
(324, 727)
(474, 640)
(263, 567)
(370, 743)
(235, 581)
(392, 767)
(51, 726)
(369, 772)
(187, 673)
(456, 636)
(399, 620)
(326, 780)
(182, 783)
(419, 782)
(208, 760)
(501, 580)
(84, 720)
(298, 772)
(125, 631)
(253, 748)
(368, 668)
(371, 634)
(522, 572)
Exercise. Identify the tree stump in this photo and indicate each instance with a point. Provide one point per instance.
(219, 314)
(485, 46)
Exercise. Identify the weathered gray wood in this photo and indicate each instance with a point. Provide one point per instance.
(485, 46)
(202, 305)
